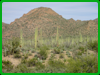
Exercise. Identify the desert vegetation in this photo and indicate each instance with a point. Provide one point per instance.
(76, 54)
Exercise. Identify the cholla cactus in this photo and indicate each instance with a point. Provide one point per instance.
(39, 60)
(5, 52)
(61, 51)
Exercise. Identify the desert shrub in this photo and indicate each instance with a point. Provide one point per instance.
(68, 45)
(17, 50)
(36, 56)
(52, 56)
(7, 65)
(7, 47)
(17, 56)
(56, 63)
(93, 45)
(81, 48)
(57, 50)
(87, 64)
(55, 66)
(79, 53)
(44, 47)
(68, 54)
(39, 65)
(61, 56)
(73, 66)
(7, 44)
(64, 48)
(49, 69)
(33, 51)
(15, 44)
(30, 54)
(23, 61)
(6, 52)
(21, 68)
(43, 54)
(61, 51)
(64, 60)
(52, 51)
(31, 62)
(25, 56)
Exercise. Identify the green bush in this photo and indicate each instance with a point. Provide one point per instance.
(81, 48)
(39, 65)
(43, 54)
(23, 61)
(67, 53)
(64, 60)
(36, 56)
(17, 56)
(57, 50)
(44, 47)
(22, 68)
(61, 56)
(7, 47)
(15, 44)
(93, 45)
(25, 56)
(79, 53)
(30, 54)
(17, 50)
(31, 62)
(87, 64)
(33, 51)
(7, 65)
(6, 52)
(56, 63)
(52, 56)
(61, 51)
(49, 69)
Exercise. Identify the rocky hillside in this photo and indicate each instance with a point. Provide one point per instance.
(48, 20)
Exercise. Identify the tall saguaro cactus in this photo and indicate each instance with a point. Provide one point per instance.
(36, 36)
(21, 38)
(57, 37)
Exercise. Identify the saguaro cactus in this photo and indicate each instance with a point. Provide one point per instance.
(21, 38)
(36, 36)
(57, 37)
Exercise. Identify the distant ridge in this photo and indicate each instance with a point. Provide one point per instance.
(48, 20)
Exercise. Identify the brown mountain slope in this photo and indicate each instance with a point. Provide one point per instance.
(4, 26)
(48, 20)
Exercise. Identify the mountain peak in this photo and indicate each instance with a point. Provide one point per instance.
(48, 20)
(42, 10)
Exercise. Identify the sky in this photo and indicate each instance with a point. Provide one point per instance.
(76, 10)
